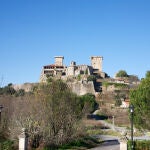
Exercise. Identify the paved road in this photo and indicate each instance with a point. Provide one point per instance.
(106, 137)
(108, 145)
(112, 142)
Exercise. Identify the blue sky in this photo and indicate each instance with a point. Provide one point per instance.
(32, 32)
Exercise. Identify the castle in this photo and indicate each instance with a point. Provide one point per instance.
(58, 69)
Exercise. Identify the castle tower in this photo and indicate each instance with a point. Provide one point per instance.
(71, 69)
(96, 62)
(59, 60)
(73, 63)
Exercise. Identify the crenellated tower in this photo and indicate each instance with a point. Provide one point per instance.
(59, 60)
(96, 62)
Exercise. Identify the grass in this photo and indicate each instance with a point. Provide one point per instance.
(79, 144)
(6, 145)
(102, 132)
(87, 142)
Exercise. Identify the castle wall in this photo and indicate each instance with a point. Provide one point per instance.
(27, 87)
(81, 88)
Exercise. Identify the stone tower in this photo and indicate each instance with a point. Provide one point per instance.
(59, 60)
(96, 62)
(71, 69)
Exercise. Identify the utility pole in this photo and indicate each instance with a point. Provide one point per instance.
(131, 112)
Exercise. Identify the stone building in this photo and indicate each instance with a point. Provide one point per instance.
(59, 69)
(75, 70)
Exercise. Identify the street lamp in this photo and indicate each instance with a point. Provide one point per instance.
(1, 107)
(131, 112)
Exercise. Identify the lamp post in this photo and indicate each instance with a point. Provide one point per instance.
(131, 112)
(1, 107)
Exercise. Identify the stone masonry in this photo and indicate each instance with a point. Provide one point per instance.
(59, 69)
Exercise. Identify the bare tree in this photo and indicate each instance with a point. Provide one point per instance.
(51, 115)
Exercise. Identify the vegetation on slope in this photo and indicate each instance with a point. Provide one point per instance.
(51, 114)
(140, 98)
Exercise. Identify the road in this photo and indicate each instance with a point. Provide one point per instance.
(110, 143)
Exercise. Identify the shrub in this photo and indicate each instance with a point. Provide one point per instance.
(140, 145)
(91, 78)
(88, 103)
(122, 73)
(7, 145)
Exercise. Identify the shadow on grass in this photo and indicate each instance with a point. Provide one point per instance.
(97, 117)
(110, 142)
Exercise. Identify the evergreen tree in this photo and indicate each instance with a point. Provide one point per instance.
(140, 98)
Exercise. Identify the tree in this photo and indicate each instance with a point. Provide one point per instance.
(20, 92)
(86, 71)
(147, 74)
(88, 103)
(140, 98)
(79, 77)
(7, 90)
(61, 113)
(51, 115)
(122, 73)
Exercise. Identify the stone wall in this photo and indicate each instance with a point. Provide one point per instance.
(26, 86)
(110, 88)
(82, 87)
(78, 87)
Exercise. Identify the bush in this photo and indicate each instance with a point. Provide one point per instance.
(91, 78)
(79, 77)
(87, 142)
(116, 85)
(7, 145)
(88, 103)
(122, 73)
(140, 145)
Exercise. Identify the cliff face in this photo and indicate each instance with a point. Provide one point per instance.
(81, 87)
